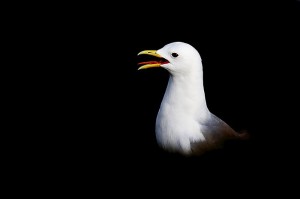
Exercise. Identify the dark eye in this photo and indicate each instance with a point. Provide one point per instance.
(174, 55)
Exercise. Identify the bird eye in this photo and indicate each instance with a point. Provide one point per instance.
(174, 55)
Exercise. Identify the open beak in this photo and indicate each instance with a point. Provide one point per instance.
(151, 64)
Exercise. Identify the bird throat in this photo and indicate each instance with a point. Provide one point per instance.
(187, 95)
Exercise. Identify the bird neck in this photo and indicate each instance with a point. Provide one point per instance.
(185, 92)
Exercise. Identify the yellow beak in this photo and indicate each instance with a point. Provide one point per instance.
(149, 64)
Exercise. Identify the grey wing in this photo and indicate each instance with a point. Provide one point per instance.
(216, 132)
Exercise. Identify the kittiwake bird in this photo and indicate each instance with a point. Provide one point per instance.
(184, 124)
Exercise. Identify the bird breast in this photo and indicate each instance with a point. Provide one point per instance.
(176, 129)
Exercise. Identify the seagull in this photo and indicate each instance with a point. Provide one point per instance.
(184, 124)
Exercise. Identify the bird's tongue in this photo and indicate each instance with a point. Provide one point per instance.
(148, 62)
(153, 62)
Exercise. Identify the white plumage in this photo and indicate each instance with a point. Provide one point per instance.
(184, 124)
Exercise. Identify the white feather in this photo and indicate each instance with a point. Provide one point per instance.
(183, 108)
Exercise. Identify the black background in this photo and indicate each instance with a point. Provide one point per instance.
(101, 111)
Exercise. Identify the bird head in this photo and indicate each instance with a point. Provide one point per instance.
(176, 57)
